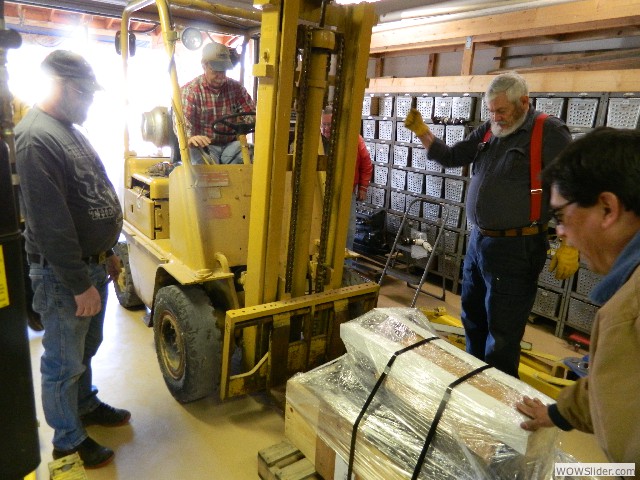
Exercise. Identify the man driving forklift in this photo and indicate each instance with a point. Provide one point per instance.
(206, 99)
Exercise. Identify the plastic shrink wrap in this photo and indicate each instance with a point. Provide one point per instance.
(476, 436)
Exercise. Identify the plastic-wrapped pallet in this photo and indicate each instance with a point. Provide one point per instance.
(477, 434)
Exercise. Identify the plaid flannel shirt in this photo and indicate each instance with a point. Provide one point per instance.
(202, 105)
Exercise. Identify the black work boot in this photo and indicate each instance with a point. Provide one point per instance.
(106, 416)
(92, 454)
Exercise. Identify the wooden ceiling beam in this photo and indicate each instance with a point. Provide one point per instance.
(575, 18)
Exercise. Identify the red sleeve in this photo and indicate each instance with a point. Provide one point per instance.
(364, 168)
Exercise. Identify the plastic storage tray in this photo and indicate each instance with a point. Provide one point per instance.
(454, 134)
(403, 105)
(433, 185)
(418, 158)
(400, 155)
(581, 112)
(380, 175)
(581, 314)
(547, 303)
(623, 112)
(550, 106)
(386, 106)
(385, 130)
(425, 106)
(462, 107)
(586, 280)
(415, 182)
(442, 106)
(382, 152)
(453, 189)
(398, 179)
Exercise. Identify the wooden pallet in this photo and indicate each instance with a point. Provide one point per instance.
(283, 461)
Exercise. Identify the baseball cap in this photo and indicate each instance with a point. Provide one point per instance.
(67, 64)
(217, 56)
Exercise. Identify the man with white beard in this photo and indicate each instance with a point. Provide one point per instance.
(508, 215)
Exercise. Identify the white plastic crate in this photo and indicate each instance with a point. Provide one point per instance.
(442, 106)
(454, 171)
(377, 196)
(453, 216)
(398, 201)
(551, 106)
(548, 278)
(433, 185)
(484, 110)
(450, 240)
(462, 107)
(414, 208)
(454, 189)
(369, 129)
(403, 105)
(623, 112)
(371, 148)
(433, 166)
(547, 303)
(415, 182)
(403, 134)
(380, 175)
(581, 314)
(454, 134)
(418, 158)
(425, 106)
(385, 130)
(386, 106)
(581, 112)
(431, 211)
(400, 155)
(438, 131)
(398, 179)
(586, 280)
(382, 152)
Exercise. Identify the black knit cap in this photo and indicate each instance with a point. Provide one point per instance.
(67, 64)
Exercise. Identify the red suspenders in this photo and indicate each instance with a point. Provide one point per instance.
(535, 165)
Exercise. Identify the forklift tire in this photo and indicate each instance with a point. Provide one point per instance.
(124, 288)
(188, 342)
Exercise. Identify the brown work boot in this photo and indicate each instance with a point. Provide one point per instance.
(92, 454)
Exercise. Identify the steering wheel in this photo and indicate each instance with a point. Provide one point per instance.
(237, 123)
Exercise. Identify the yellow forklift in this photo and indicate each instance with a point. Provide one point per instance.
(242, 266)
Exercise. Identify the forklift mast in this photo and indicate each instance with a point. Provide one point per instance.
(266, 239)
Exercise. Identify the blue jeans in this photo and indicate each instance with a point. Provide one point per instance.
(70, 342)
(499, 285)
(231, 153)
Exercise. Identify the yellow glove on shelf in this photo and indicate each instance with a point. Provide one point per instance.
(565, 262)
(415, 123)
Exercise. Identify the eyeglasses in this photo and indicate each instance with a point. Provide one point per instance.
(86, 93)
(557, 214)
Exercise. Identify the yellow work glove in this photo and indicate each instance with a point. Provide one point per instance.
(565, 262)
(415, 123)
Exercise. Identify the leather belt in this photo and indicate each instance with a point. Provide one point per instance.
(97, 259)
(515, 232)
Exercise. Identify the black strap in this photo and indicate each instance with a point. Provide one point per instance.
(438, 416)
(384, 374)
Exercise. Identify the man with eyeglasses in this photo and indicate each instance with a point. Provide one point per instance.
(596, 199)
(73, 219)
(209, 97)
(508, 211)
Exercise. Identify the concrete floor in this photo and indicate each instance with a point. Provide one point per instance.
(207, 440)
